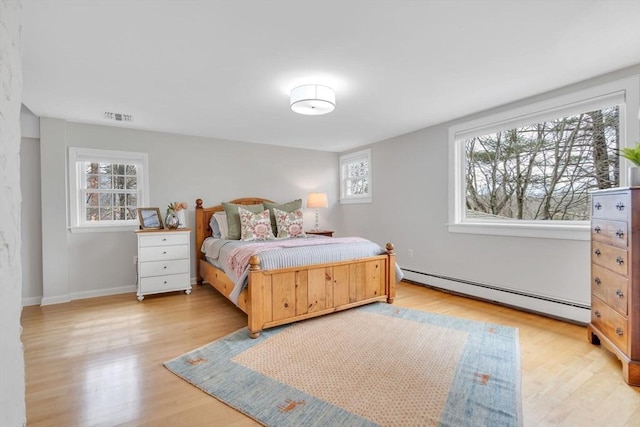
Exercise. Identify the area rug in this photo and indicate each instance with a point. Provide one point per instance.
(368, 366)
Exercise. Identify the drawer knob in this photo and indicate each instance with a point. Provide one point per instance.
(619, 260)
(165, 267)
(619, 331)
(165, 282)
(619, 293)
(619, 206)
(597, 281)
(619, 233)
(597, 314)
(597, 229)
(164, 253)
(598, 206)
(164, 239)
(597, 252)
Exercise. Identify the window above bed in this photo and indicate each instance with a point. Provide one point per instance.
(105, 189)
(355, 177)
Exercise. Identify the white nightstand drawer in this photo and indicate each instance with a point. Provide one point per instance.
(159, 268)
(164, 239)
(172, 282)
(161, 253)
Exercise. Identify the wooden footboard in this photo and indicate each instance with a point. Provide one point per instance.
(286, 295)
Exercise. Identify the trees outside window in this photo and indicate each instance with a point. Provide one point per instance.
(542, 171)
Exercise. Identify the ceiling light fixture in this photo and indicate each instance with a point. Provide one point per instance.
(313, 100)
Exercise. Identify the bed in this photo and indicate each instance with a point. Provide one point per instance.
(274, 297)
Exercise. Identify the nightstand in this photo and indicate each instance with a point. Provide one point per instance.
(327, 233)
(163, 261)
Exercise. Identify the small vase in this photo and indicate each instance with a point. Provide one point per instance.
(634, 176)
(171, 221)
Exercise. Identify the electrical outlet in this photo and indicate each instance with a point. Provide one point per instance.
(135, 260)
(410, 253)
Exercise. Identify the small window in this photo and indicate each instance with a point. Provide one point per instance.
(355, 177)
(106, 187)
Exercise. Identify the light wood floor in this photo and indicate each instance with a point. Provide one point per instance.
(98, 362)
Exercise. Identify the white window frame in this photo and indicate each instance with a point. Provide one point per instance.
(79, 154)
(347, 159)
(620, 92)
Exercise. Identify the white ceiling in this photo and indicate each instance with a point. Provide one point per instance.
(223, 69)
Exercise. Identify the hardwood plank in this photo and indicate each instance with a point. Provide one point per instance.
(99, 361)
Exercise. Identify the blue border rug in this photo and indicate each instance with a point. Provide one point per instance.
(373, 365)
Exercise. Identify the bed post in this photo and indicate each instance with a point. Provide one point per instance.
(391, 274)
(199, 238)
(255, 297)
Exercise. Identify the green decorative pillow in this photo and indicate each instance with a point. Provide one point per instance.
(286, 207)
(233, 219)
(289, 223)
(255, 226)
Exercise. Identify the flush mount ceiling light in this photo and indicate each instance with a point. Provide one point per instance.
(313, 100)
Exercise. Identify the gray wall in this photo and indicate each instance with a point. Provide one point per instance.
(410, 209)
(12, 383)
(181, 168)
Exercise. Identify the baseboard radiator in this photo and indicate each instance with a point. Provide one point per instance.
(540, 304)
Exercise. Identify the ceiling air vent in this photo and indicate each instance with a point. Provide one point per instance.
(118, 117)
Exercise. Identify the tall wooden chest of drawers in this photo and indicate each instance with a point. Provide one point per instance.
(615, 276)
(163, 261)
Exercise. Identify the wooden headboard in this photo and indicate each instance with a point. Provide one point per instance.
(203, 216)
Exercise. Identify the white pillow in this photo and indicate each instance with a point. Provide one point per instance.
(221, 218)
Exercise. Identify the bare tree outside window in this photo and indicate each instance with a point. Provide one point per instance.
(543, 171)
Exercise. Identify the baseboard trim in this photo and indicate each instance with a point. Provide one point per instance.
(82, 295)
(540, 304)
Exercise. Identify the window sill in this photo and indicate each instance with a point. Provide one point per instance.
(571, 231)
(104, 229)
(358, 200)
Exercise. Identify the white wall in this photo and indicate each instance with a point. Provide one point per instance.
(181, 168)
(410, 209)
(12, 383)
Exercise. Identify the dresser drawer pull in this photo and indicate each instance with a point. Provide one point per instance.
(598, 206)
(619, 331)
(165, 267)
(597, 229)
(597, 252)
(597, 314)
(619, 233)
(164, 253)
(619, 260)
(619, 206)
(619, 293)
(597, 281)
(164, 239)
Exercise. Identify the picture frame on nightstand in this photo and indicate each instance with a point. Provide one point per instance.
(150, 218)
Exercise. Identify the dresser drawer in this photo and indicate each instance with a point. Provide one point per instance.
(614, 233)
(171, 282)
(611, 206)
(612, 324)
(610, 287)
(612, 258)
(164, 239)
(162, 253)
(160, 268)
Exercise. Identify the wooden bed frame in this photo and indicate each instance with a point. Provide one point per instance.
(278, 297)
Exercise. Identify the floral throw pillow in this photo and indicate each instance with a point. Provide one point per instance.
(255, 226)
(289, 223)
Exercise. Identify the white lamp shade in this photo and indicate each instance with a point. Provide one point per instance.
(313, 100)
(317, 200)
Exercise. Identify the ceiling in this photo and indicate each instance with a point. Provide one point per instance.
(224, 69)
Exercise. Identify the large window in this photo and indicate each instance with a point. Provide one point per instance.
(355, 177)
(529, 171)
(542, 171)
(106, 187)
